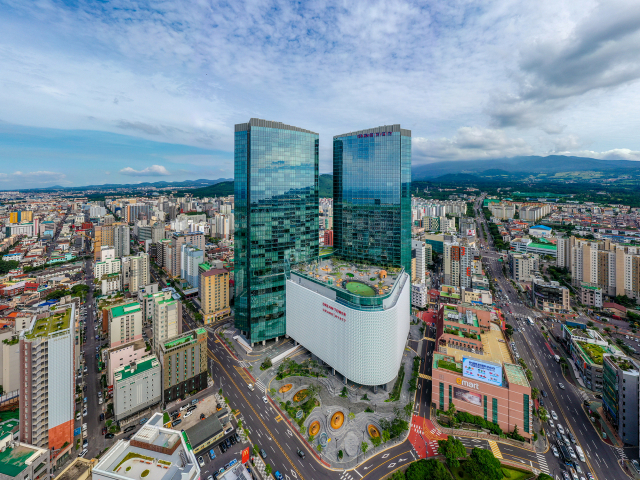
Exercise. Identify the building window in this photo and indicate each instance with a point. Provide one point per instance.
(441, 396)
(494, 409)
(525, 406)
(450, 394)
(485, 407)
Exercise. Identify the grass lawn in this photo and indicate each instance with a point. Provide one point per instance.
(510, 474)
(361, 289)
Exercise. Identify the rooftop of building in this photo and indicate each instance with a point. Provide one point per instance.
(141, 366)
(14, 460)
(624, 363)
(542, 227)
(586, 286)
(125, 309)
(358, 279)
(494, 348)
(46, 326)
(8, 427)
(184, 338)
(136, 344)
(238, 472)
(153, 453)
(79, 467)
(209, 271)
(592, 353)
(546, 246)
(204, 430)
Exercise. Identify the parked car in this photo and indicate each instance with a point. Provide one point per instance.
(278, 475)
(109, 435)
(129, 428)
(263, 454)
(201, 461)
(555, 451)
(176, 422)
(143, 421)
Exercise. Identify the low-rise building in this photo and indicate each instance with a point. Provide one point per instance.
(21, 461)
(591, 295)
(419, 295)
(110, 283)
(136, 386)
(549, 296)
(208, 431)
(153, 453)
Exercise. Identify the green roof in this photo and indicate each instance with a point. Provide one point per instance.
(542, 245)
(178, 341)
(201, 331)
(46, 326)
(592, 352)
(127, 309)
(146, 363)
(205, 266)
(13, 460)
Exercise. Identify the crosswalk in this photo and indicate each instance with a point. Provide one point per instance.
(495, 449)
(620, 453)
(346, 476)
(260, 386)
(243, 364)
(542, 463)
(426, 377)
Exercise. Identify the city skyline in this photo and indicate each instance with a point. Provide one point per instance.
(119, 95)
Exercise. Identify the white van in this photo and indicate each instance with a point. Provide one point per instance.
(84, 427)
(557, 358)
(580, 453)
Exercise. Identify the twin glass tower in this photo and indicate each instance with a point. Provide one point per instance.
(277, 210)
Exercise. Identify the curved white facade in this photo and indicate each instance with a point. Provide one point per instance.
(366, 346)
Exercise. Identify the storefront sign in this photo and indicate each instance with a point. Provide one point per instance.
(459, 381)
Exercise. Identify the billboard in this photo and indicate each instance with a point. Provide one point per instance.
(467, 396)
(471, 232)
(487, 372)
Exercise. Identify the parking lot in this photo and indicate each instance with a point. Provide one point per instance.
(205, 405)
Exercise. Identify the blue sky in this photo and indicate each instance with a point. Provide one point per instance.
(121, 91)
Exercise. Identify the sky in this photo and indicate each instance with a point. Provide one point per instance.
(95, 92)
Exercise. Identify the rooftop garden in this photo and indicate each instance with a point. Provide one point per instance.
(594, 352)
(52, 324)
(452, 366)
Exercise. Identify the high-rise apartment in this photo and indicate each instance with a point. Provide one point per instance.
(167, 317)
(371, 196)
(125, 323)
(47, 381)
(276, 219)
(135, 272)
(190, 257)
(213, 290)
(174, 264)
(122, 240)
(458, 264)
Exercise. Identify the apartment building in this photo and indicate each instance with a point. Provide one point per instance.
(419, 295)
(184, 360)
(458, 260)
(213, 291)
(522, 266)
(107, 267)
(135, 272)
(502, 211)
(136, 386)
(124, 324)
(167, 317)
(177, 240)
(190, 257)
(123, 355)
(47, 381)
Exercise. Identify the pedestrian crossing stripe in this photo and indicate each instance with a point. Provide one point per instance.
(621, 453)
(542, 463)
(495, 449)
(426, 377)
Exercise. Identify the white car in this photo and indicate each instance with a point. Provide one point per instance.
(84, 412)
(553, 415)
(188, 414)
(264, 399)
(561, 386)
(83, 453)
(560, 429)
(551, 424)
(555, 451)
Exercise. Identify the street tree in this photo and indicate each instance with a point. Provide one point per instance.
(453, 450)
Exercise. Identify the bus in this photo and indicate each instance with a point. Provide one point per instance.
(530, 320)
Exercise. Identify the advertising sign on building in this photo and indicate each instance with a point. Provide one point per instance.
(245, 455)
(487, 372)
(467, 396)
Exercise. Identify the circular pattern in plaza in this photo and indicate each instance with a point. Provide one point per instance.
(314, 428)
(337, 419)
(373, 431)
(286, 388)
(300, 395)
(360, 288)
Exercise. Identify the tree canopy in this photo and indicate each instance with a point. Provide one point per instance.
(453, 450)
(482, 465)
(427, 469)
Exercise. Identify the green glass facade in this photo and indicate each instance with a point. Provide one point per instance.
(371, 196)
(276, 219)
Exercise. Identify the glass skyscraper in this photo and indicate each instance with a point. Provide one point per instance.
(276, 219)
(371, 196)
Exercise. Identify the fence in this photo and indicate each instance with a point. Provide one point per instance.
(484, 435)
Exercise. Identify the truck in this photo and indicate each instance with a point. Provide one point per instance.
(530, 320)
(564, 454)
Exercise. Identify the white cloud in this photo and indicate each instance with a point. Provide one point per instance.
(40, 177)
(152, 171)
(615, 154)
(469, 143)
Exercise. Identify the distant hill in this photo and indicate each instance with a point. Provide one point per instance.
(160, 184)
(221, 189)
(522, 166)
(325, 185)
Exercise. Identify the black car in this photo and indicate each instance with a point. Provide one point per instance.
(109, 435)
(192, 408)
(232, 440)
(223, 447)
(228, 443)
(300, 453)
(129, 428)
(101, 416)
(177, 422)
(544, 393)
(541, 403)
